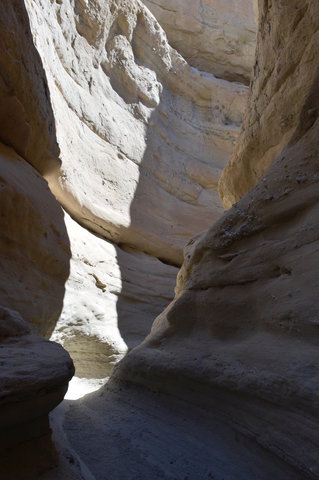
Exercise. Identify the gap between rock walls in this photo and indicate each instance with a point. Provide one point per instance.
(126, 127)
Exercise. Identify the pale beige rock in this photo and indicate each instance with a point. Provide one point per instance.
(26, 119)
(143, 136)
(287, 57)
(112, 297)
(240, 338)
(34, 244)
(217, 36)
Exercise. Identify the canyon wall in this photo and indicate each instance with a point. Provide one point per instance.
(143, 136)
(239, 339)
(143, 139)
(132, 139)
(111, 150)
(286, 60)
(35, 256)
(212, 35)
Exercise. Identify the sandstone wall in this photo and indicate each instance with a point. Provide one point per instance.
(34, 379)
(26, 118)
(35, 251)
(111, 299)
(132, 141)
(143, 136)
(34, 242)
(212, 35)
(240, 337)
(35, 256)
(287, 57)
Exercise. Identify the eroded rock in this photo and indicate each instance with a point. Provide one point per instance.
(26, 119)
(34, 378)
(143, 136)
(214, 36)
(34, 244)
(286, 61)
(240, 337)
(112, 297)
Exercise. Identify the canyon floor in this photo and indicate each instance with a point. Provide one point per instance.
(131, 434)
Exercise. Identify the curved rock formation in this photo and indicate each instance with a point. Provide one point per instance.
(240, 336)
(35, 254)
(34, 244)
(112, 297)
(26, 118)
(286, 59)
(226, 384)
(34, 379)
(214, 36)
(143, 136)
(35, 251)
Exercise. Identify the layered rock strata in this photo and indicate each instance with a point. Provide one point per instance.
(286, 60)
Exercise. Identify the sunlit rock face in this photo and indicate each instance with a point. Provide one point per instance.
(240, 336)
(143, 136)
(217, 36)
(112, 297)
(143, 139)
(287, 57)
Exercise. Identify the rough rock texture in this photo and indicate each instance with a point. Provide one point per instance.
(240, 337)
(112, 297)
(34, 378)
(143, 136)
(34, 244)
(217, 36)
(287, 57)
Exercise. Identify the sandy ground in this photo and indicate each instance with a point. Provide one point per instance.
(137, 435)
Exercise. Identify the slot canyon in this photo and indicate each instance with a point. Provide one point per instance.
(159, 301)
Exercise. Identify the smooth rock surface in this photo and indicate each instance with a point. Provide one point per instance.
(133, 434)
(287, 58)
(143, 136)
(34, 378)
(217, 36)
(241, 334)
(34, 244)
(26, 119)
